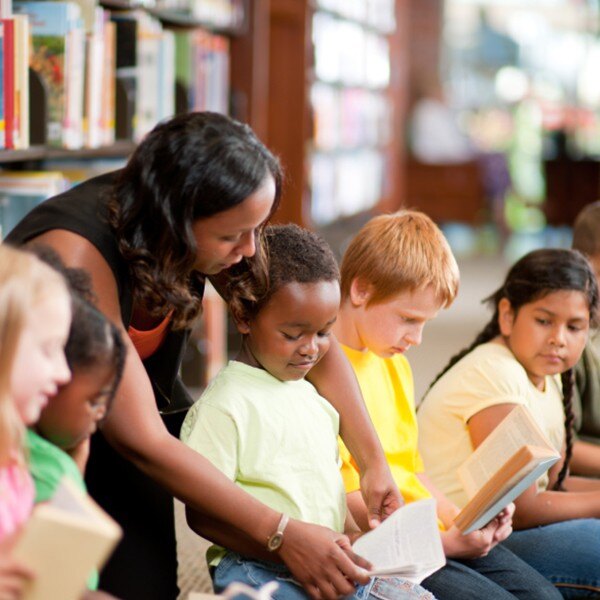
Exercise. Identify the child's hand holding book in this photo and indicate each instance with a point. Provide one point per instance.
(14, 576)
(479, 542)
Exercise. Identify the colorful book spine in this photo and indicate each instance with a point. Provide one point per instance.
(9, 83)
(2, 93)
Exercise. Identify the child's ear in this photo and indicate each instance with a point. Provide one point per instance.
(242, 322)
(506, 317)
(360, 292)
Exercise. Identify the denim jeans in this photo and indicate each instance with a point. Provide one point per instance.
(256, 573)
(498, 576)
(567, 553)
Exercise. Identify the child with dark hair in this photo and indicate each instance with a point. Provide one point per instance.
(525, 355)
(58, 443)
(268, 429)
(586, 396)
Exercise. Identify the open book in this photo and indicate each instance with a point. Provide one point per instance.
(63, 542)
(407, 544)
(508, 461)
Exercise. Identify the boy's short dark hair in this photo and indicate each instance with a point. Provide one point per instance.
(295, 255)
(586, 230)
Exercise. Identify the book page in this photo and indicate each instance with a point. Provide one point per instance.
(66, 500)
(407, 543)
(61, 548)
(517, 429)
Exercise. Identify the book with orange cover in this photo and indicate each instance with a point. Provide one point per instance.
(508, 461)
(63, 542)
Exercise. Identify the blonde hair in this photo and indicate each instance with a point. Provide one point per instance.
(24, 281)
(398, 252)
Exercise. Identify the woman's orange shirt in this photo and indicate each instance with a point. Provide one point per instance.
(147, 342)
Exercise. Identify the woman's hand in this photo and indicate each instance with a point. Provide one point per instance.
(322, 560)
(380, 493)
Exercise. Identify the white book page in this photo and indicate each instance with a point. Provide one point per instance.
(517, 429)
(407, 543)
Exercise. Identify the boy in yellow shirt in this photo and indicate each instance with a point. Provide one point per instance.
(397, 273)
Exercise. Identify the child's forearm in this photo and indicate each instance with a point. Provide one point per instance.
(581, 484)
(586, 459)
(547, 507)
(358, 509)
(351, 529)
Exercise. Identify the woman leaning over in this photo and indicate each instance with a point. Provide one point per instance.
(190, 203)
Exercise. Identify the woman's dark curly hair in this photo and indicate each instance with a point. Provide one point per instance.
(294, 255)
(188, 168)
(534, 276)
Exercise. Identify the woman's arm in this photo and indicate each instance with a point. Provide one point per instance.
(535, 508)
(335, 380)
(135, 429)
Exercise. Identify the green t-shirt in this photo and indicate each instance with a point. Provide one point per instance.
(48, 464)
(276, 439)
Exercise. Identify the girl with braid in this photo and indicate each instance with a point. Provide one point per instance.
(525, 355)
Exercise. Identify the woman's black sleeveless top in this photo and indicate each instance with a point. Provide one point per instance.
(83, 210)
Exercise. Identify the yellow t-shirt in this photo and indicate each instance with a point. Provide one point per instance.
(487, 376)
(387, 387)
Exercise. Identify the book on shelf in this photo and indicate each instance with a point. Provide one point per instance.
(22, 191)
(202, 70)
(507, 462)
(15, 82)
(2, 91)
(21, 104)
(407, 544)
(63, 542)
(58, 47)
(8, 76)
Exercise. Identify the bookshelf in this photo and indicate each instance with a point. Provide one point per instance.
(175, 53)
(336, 100)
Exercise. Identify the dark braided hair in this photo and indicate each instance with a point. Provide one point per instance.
(534, 276)
(293, 254)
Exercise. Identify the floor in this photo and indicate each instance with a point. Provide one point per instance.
(452, 330)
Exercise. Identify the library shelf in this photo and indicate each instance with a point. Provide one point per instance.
(181, 19)
(120, 149)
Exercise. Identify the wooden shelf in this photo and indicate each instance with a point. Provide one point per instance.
(120, 149)
(120, 4)
(179, 19)
(362, 23)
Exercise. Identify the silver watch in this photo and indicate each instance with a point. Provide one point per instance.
(276, 539)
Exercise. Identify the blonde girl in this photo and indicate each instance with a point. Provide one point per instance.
(35, 315)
